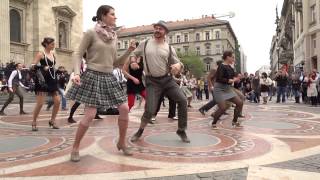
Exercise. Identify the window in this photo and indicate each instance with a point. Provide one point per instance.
(15, 26)
(63, 19)
(198, 51)
(218, 49)
(170, 39)
(314, 41)
(186, 38)
(119, 45)
(208, 50)
(125, 44)
(217, 34)
(186, 50)
(208, 66)
(178, 38)
(62, 35)
(313, 14)
(197, 37)
(207, 35)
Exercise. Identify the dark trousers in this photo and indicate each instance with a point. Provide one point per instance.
(18, 91)
(172, 107)
(281, 91)
(168, 87)
(209, 105)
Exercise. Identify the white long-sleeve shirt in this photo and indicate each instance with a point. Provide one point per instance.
(12, 75)
(117, 72)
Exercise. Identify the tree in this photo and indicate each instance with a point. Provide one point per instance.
(237, 55)
(193, 63)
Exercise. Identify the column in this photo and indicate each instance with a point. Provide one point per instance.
(4, 32)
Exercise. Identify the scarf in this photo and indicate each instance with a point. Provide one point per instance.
(106, 33)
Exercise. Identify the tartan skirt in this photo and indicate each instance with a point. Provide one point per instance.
(98, 89)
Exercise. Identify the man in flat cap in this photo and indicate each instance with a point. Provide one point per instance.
(160, 63)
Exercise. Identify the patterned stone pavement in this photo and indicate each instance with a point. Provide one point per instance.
(277, 141)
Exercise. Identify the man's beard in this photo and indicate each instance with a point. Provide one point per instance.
(158, 35)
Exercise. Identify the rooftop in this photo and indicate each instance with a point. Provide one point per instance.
(173, 25)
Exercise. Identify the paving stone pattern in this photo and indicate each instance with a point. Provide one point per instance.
(235, 174)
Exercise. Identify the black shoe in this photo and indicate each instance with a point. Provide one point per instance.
(214, 126)
(2, 113)
(137, 135)
(53, 125)
(241, 116)
(71, 120)
(236, 125)
(98, 117)
(183, 136)
(202, 111)
(22, 112)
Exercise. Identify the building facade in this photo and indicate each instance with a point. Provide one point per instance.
(297, 41)
(24, 24)
(306, 36)
(243, 61)
(281, 53)
(207, 37)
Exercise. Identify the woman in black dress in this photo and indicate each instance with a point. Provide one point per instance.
(45, 81)
(223, 91)
(133, 70)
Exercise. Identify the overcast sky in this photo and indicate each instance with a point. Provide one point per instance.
(253, 23)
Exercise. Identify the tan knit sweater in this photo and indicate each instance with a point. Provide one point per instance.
(101, 56)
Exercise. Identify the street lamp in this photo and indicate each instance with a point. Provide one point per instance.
(229, 15)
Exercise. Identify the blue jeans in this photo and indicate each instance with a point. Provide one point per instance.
(63, 98)
(296, 92)
(281, 91)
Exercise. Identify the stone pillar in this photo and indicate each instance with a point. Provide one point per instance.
(5, 32)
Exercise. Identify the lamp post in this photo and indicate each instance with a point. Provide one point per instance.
(229, 15)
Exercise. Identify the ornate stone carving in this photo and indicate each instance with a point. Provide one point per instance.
(64, 11)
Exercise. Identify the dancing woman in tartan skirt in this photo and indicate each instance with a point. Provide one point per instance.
(97, 87)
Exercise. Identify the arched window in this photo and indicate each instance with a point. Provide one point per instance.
(15, 26)
(62, 35)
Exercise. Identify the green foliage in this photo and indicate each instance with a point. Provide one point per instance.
(193, 63)
(238, 58)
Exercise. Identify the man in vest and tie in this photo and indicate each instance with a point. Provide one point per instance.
(14, 87)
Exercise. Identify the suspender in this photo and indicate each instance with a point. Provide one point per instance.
(170, 59)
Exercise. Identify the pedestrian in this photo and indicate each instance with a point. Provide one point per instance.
(296, 86)
(133, 70)
(312, 88)
(159, 60)
(265, 83)
(62, 78)
(282, 82)
(98, 87)
(223, 90)
(15, 87)
(46, 81)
